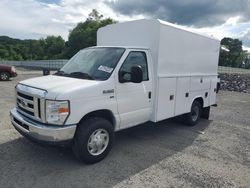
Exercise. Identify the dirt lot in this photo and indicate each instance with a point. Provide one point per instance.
(215, 153)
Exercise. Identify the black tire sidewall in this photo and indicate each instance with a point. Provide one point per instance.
(83, 132)
(189, 119)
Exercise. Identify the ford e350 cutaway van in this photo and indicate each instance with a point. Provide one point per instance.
(140, 71)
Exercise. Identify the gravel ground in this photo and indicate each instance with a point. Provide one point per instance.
(215, 153)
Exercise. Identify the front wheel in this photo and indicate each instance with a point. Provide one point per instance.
(193, 117)
(4, 76)
(93, 140)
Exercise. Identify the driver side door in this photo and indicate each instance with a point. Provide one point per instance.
(134, 99)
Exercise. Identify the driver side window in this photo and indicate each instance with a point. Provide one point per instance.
(135, 58)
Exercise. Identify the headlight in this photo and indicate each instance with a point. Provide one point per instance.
(57, 111)
(13, 69)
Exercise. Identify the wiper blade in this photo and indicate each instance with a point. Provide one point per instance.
(74, 75)
(81, 75)
(60, 73)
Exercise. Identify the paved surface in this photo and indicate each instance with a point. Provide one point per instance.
(215, 153)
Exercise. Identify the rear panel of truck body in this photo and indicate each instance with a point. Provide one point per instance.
(184, 63)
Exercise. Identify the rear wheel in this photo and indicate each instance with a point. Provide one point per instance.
(93, 140)
(193, 117)
(4, 76)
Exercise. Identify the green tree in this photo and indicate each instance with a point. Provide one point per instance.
(95, 15)
(53, 46)
(4, 54)
(84, 34)
(235, 56)
(15, 49)
(241, 59)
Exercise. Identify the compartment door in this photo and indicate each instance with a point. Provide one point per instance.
(166, 98)
(182, 105)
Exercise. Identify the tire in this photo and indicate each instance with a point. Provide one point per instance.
(193, 117)
(4, 76)
(93, 140)
(205, 112)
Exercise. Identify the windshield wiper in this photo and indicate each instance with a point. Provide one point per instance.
(60, 73)
(81, 75)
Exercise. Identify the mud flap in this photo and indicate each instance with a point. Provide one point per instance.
(205, 112)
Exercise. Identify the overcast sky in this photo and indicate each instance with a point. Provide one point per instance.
(39, 18)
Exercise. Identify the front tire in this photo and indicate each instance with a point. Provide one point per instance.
(4, 76)
(193, 117)
(93, 140)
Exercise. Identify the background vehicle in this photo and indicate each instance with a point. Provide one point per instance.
(145, 70)
(6, 72)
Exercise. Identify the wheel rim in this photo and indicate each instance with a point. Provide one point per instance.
(195, 113)
(98, 142)
(4, 76)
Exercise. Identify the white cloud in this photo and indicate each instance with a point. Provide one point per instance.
(221, 31)
(246, 48)
(28, 19)
(34, 19)
(231, 28)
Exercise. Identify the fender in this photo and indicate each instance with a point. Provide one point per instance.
(201, 100)
(82, 107)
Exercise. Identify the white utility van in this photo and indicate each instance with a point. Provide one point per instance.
(140, 71)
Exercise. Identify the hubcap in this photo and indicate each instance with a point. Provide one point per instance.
(195, 113)
(4, 76)
(98, 142)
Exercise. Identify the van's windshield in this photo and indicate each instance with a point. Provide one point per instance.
(92, 63)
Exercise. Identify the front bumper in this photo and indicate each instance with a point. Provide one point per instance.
(41, 132)
(13, 74)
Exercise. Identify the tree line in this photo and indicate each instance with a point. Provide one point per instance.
(54, 47)
(84, 35)
(234, 55)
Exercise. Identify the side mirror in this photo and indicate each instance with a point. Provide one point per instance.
(46, 72)
(136, 74)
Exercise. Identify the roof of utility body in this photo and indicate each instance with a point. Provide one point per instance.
(188, 29)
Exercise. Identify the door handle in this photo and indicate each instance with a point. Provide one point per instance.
(149, 94)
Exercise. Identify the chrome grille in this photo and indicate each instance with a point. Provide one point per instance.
(30, 102)
(25, 103)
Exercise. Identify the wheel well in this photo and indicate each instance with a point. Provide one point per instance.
(200, 100)
(5, 71)
(106, 114)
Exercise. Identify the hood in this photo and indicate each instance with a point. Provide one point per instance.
(58, 85)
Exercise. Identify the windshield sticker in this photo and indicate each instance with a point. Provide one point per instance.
(105, 69)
